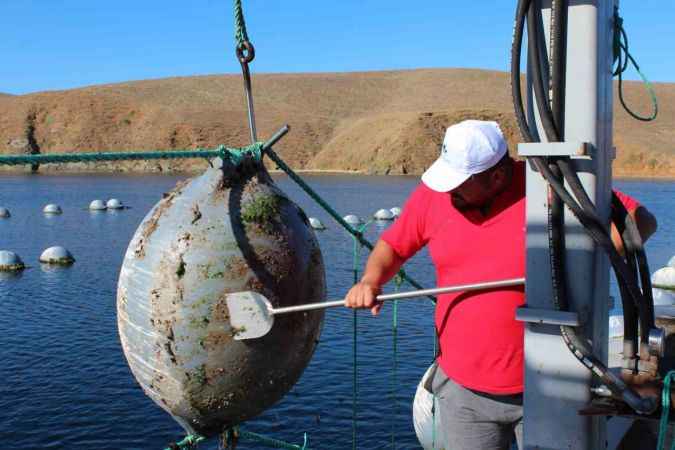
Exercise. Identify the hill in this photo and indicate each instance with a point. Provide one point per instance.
(387, 122)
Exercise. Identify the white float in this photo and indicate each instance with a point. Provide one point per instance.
(52, 209)
(4, 213)
(671, 263)
(97, 205)
(352, 219)
(316, 224)
(664, 278)
(57, 255)
(383, 214)
(10, 261)
(424, 420)
(615, 327)
(114, 203)
(396, 211)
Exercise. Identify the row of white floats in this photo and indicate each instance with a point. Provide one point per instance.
(52, 208)
(354, 220)
(11, 262)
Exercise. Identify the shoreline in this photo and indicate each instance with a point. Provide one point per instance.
(327, 172)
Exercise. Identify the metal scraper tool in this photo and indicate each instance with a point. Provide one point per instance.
(252, 315)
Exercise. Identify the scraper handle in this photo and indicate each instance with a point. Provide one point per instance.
(405, 295)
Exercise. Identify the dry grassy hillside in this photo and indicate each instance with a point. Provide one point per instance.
(373, 122)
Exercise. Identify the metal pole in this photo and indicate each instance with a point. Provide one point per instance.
(405, 295)
(557, 386)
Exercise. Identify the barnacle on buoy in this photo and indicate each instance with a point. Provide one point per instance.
(229, 230)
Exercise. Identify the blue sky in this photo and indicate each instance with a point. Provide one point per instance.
(61, 44)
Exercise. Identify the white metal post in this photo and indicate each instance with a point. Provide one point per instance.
(557, 386)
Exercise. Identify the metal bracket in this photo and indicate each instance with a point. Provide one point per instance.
(556, 149)
(547, 316)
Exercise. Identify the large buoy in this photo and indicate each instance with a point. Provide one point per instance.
(425, 420)
(4, 213)
(57, 255)
(227, 231)
(10, 262)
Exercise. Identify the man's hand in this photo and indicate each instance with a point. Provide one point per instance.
(362, 295)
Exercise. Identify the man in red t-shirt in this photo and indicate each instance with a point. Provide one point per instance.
(470, 211)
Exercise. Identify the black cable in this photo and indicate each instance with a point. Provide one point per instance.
(594, 227)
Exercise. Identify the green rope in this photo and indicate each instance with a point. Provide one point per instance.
(433, 404)
(665, 410)
(235, 155)
(317, 198)
(271, 442)
(622, 57)
(355, 389)
(190, 442)
(240, 34)
(398, 280)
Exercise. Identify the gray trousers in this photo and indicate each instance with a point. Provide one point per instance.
(476, 421)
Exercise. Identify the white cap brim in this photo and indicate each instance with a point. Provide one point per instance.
(442, 177)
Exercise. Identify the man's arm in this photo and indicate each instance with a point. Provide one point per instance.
(383, 263)
(646, 224)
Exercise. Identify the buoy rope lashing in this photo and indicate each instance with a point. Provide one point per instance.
(236, 155)
(665, 410)
(188, 443)
(622, 57)
(232, 435)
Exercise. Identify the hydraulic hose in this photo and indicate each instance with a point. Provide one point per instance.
(576, 345)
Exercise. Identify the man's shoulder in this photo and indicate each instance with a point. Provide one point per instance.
(424, 197)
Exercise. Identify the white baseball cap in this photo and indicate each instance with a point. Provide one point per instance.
(469, 147)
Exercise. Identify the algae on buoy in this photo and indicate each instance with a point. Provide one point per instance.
(396, 211)
(97, 205)
(4, 213)
(57, 255)
(229, 230)
(10, 261)
(52, 209)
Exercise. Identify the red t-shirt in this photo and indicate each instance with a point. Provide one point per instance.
(481, 343)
